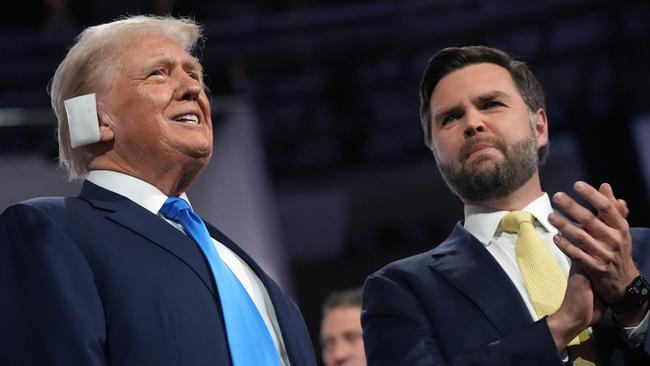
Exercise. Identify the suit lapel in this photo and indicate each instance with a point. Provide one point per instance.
(126, 213)
(468, 266)
(284, 309)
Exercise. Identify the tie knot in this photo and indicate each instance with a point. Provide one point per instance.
(512, 220)
(172, 206)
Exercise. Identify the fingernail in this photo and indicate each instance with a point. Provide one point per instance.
(551, 217)
(556, 238)
(579, 185)
(558, 196)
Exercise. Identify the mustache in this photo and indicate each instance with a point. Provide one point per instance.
(470, 143)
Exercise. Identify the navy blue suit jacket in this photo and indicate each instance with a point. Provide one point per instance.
(454, 305)
(98, 280)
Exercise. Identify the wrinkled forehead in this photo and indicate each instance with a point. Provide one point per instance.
(151, 47)
(472, 81)
(136, 54)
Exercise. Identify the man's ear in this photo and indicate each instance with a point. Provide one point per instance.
(106, 131)
(540, 124)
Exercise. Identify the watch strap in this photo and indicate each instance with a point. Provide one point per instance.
(635, 296)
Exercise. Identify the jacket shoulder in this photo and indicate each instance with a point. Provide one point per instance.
(405, 265)
(39, 210)
(415, 264)
(35, 205)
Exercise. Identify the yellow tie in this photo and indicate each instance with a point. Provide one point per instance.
(543, 277)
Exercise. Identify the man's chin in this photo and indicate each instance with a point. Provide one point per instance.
(483, 165)
(199, 151)
(194, 160)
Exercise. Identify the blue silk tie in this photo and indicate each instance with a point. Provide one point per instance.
(248, 337)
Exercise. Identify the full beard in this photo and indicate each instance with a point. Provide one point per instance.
(477, 182)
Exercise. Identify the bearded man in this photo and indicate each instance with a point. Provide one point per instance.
(515, 283)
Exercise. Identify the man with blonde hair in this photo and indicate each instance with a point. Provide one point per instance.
(126, 273)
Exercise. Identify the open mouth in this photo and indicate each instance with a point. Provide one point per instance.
(190, 118)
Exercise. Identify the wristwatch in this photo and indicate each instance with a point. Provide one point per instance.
(636, 295)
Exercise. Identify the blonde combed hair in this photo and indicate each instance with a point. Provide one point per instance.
(91, 63)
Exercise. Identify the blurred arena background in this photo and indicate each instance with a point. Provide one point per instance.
(320, 170)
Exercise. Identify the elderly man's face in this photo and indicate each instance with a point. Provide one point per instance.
(157, 108)
(341, 338)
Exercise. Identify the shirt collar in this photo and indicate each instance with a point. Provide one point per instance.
(483, 222)
(135, 189)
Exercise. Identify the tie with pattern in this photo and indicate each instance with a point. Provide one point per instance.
(543, 277)
(249, 339)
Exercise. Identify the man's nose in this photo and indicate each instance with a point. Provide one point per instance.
(189, 88)
(474, 122)
(340, 353)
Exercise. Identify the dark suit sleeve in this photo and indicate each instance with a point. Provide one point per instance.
(397, 331)
(641, 255)
(50, 309)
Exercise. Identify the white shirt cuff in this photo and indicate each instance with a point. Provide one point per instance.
(635, 336)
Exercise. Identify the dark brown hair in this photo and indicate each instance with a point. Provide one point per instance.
(342, 299)
(454, 58)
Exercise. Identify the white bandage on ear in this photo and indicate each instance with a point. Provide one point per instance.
(82, 120)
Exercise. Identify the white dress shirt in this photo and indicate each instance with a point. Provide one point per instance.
(152, 199)
(483, 224)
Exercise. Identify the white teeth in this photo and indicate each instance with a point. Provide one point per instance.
(188, 118)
